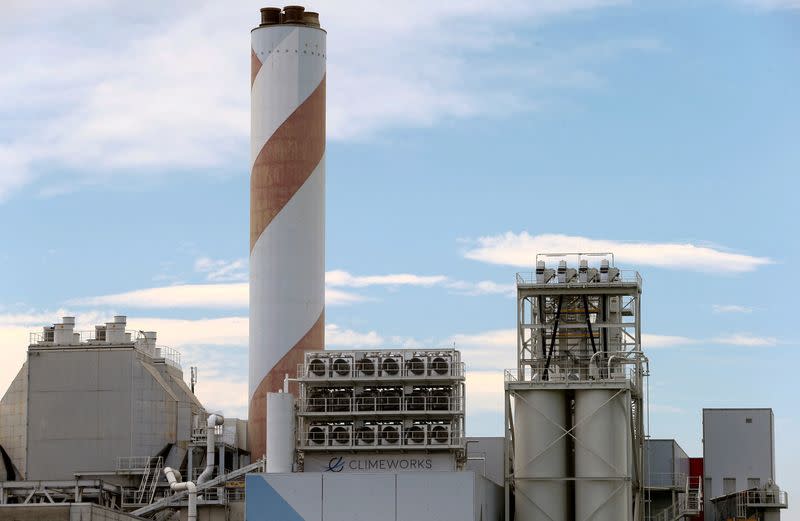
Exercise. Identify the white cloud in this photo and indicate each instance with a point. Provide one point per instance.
(217, 270)
(171, 93)
(520, 249)
(746, 340)
(345, 338)
(345, 279)
(483, 287)
(731, 308)
(651, 341)
(198, 296)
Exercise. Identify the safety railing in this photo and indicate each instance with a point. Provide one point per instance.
(766, 498)
(601, 366)
(158, 352)
(332, 437)
(133, 464)
(624, 277)
(379, 404)
(676, 480)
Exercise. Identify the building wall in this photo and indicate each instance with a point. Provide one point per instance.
(13, 421)
(87, 407)
(409, 496)
(737, 444)
(493, 452)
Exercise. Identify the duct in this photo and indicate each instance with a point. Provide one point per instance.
(211, 439)
(175, 484)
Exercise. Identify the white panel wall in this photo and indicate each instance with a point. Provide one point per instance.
(404, 496)
(358, 497)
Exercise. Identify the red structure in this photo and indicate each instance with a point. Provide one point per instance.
(696, 472)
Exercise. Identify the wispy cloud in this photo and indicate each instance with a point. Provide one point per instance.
(218, 270)
(235, 295)
(731, 308)
(78, 107)
(652, 341)
(345, 279)
(746, 340)
(520, 249)
(198, 296)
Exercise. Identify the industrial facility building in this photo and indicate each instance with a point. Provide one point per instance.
(101, 425)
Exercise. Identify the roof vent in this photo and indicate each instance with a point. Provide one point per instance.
(293, 14)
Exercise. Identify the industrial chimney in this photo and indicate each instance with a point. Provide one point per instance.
(287, 202)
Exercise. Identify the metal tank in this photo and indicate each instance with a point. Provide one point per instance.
(287, 202)
(602, 445)
(541, 450)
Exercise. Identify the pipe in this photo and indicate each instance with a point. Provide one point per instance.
(175, 484)
(211, 442)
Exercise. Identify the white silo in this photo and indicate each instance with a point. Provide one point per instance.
(541, 455)
(287, 202)
(574, 403)
(602, 444)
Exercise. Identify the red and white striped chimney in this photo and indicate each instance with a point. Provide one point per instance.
(287, 203)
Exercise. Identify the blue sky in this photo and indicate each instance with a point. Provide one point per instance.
(463, 138)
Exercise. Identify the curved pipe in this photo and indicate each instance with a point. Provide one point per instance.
(175, 484)
(211, 442)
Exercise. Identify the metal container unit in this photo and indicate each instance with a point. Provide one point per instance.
(287, 202)
(574, 403)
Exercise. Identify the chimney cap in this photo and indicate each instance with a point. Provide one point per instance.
(293, 14)
(270, 16)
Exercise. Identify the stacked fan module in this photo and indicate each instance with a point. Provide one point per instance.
(381, 400)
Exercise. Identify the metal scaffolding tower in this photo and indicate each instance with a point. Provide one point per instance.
(574, 403)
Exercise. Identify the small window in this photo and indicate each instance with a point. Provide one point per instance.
(728, 486)
(748, 420)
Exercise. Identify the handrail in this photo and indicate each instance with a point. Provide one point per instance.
(175, 498)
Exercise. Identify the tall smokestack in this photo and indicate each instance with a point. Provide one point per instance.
(287, 203)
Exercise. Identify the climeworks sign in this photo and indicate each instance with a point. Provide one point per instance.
(378, 462)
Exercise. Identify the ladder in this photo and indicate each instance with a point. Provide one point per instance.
(147, 487)
(154, 479)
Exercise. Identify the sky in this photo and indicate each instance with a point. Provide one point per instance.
(463, 138)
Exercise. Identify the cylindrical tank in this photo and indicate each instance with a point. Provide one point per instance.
(541, 452)
(287, 204)
(602, 434)
(280, 432)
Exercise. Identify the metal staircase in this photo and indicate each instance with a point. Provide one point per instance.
(688, 504)
(147, 488)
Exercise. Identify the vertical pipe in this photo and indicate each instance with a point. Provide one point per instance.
(211, 441)
(287, 206)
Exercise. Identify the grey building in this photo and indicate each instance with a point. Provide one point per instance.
(738, 452)
(82, 402)
(666, 474)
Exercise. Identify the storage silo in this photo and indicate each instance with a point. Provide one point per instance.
(287, 202)
(541, 455)
(574, 403)
(602, 444)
